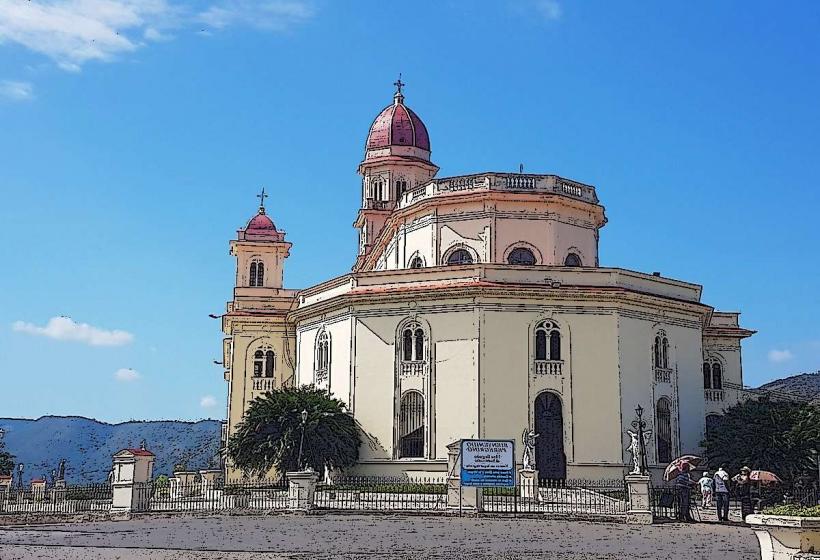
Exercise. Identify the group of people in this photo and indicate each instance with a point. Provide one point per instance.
(714, 486)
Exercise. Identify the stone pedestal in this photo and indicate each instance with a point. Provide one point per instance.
(528, 484)
(301, 489)
(640, 507)
(458, 497)
(130, 485)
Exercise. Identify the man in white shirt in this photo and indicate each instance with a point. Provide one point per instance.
(721, 484)
(705, 483)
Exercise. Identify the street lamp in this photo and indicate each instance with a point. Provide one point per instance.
(20, 469)
(640, 425)
(302, 439)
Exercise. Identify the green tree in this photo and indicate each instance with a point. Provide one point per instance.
(776, 436)
(6, 460)
(270, 432)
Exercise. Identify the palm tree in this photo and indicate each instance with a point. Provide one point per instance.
(274, 434)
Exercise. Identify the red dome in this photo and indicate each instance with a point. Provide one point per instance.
(260, 223)
(397, 125)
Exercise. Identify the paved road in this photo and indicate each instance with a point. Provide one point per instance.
(383, 536)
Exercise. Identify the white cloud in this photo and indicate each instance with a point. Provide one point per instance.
(550, 10)
(73, 32)
(16, 91)
(207, 401)
(64, 328)
(276, 15)
(780, 356)
(126, 375)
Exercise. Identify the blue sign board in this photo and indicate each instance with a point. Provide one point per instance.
(487, 463)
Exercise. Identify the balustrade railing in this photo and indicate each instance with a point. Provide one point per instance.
(715, 395)
(412, 369)
(663, 375)
(548, 367)
(263, 384)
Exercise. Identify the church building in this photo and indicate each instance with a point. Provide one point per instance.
(477, 308)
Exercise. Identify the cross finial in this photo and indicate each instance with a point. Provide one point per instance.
(262, 196)
(399, 84)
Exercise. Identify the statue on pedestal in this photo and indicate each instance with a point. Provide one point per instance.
(637, 450)
(528, 439)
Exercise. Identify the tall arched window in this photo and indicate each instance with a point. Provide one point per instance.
(257, 274)
(707, 375)
(717, 376)
(417, 262)
(401, 186)
(663, 423)
(414, 343)
(460, 256)
(665, 352)
(322, 360)
(269, 363)
(411, 425)
(521, 256)
(656, 350)
(378, 189)
(572, 260)
(547, 341)
(258, 363)
(660, 351)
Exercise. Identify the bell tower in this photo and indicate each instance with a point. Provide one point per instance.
(396, 161)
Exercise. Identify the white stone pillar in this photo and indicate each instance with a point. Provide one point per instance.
(131, 489)
(528, 484)
(301, 489)
(640, 507)
(458, 497)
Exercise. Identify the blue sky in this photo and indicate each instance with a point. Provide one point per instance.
(136, 133)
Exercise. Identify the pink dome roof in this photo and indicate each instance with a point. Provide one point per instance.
(260, 223)
(397, 125)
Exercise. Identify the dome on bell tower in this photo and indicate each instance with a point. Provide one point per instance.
(398, 126)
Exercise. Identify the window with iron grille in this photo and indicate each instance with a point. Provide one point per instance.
(411, 425)
(322, 360)
(663, 421)
(460, 257)
(521, 256)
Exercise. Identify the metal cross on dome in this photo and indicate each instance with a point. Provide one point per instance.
(262, 196)
(399, 84)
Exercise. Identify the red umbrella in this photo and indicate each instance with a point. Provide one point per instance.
(674, 468)
(764, 477)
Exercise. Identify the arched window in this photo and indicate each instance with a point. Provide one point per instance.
(665, 352)
(411, 425)
(707, 375)
(417, 262)
(401, 186)
(378, 189)
(269, 363)
(656, 350)
(521, 256)
(572, 260)
(547, 341)
(414, 343)
(717, 376)
(663, 422)
(322, 360)
(258, 363)
(460, 256)
(257, 274)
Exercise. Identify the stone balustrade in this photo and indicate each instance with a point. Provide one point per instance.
(716, 395)
(412, 369)
(663, 375)
(548, 367)
(263, 384)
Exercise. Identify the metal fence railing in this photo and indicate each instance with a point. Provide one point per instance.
(59, 499)
(213, 496)
(382, 493)
(563, 497)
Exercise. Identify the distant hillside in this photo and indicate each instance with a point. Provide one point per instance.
(87, 445)
(805, 386)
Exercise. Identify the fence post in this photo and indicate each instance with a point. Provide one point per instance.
(131, 473)
(301, 490)
(458, 497)
(640, 507)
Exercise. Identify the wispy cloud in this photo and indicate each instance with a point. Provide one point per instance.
(207, 401)
(74, 32)
(16, 91)
(126, 375)
(549, 10)
(64, 328)
(780, 356)
(276, 15)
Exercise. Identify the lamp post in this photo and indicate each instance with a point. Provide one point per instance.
(302, 439)
(20, 469)
(640, 425)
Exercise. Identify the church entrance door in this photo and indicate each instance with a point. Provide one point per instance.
(550, 459)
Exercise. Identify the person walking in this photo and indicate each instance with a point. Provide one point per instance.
(683, 486)
(743, 488)
(706, 483)
(721, 491)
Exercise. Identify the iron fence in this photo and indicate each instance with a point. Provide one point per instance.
(55, 499)
(171, 495)
(562, 497)
(382, 493)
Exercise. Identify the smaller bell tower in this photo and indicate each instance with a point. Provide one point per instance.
(260, 250)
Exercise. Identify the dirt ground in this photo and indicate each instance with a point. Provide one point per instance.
(372, 536)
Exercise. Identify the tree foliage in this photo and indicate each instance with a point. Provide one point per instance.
(270, 432)
(6, 460)
(776, 436)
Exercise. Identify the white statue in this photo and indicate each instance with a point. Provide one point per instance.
(635, 449)
(528, 439)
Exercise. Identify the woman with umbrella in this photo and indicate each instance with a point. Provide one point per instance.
(743, 489)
